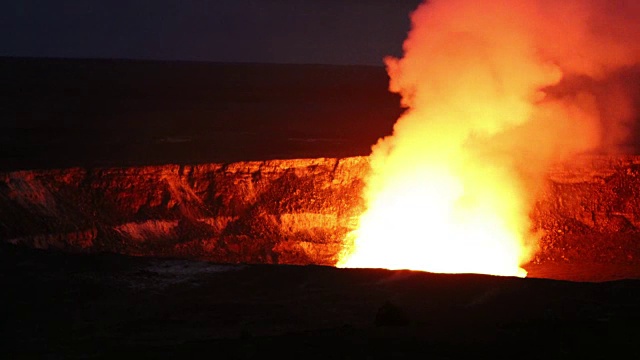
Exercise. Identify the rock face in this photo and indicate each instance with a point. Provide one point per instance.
(589, 211)
(285, 211)
(280, 211)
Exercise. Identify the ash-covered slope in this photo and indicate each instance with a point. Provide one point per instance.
(285, 211)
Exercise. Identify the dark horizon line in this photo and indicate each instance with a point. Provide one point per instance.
(176, 61)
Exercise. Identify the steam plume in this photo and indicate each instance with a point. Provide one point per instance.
(567, 65)
(495, 92)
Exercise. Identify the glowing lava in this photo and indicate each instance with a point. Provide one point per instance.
(452, 215)
(490, 105)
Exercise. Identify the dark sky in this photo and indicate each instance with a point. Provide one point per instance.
(275, 31)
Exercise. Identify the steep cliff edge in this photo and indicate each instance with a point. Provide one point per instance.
(589, 211)
(279, 211)
(285, 211)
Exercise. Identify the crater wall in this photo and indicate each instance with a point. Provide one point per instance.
(286, 211)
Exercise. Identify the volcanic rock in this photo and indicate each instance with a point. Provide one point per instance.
(280, 211)
(286, 211)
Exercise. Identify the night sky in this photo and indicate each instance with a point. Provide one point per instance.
(271, 31)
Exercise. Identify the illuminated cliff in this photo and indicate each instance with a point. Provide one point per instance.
(284, 211)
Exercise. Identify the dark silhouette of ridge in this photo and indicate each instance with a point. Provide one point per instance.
(95, 112)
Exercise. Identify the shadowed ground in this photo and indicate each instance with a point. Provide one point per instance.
(101, 306)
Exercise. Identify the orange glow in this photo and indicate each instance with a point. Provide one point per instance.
(434, 224)
(448, 216)
(488, 110)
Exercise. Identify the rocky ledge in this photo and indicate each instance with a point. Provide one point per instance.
(285, 211)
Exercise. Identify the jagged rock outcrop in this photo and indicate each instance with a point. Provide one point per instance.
(285, 211)
(589, 211)
(279, 211)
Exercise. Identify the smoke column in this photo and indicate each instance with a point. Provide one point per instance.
(495, 91)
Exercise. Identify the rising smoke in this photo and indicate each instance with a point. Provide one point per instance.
(495, 92)
(535, 81)
(565, 71)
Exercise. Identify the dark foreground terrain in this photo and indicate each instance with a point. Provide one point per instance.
(103, 306)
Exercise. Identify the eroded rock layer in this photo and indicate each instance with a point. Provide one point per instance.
(279, 211)
(285, 211)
